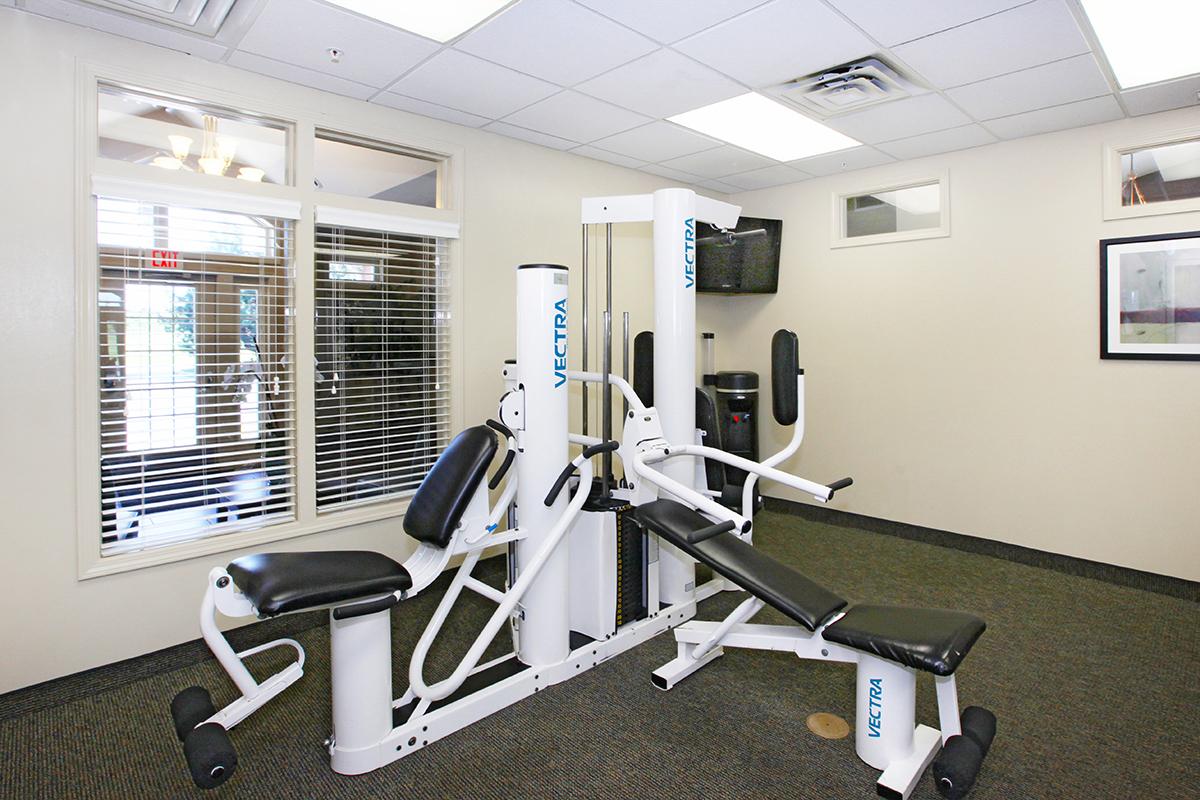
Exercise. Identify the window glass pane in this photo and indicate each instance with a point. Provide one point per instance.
(176, 135)
(1160, 174)
(160, 379)
(913, 208)
(376, 171)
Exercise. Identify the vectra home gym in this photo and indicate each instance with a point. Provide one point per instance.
(600, 398)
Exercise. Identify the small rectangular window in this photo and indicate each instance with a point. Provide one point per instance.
(1161, 174)
(358, 168)
(898, 213)
(184, 136)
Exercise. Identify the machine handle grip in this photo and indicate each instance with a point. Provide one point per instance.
(697, 536)
(509, 456)
(842, 484)
(369, 607)
(565, 475)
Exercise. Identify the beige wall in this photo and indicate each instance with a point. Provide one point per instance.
(521, 204)
(958, 380)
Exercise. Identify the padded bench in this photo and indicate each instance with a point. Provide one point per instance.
(933, 640)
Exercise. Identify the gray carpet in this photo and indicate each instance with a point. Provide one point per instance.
(1096, 688)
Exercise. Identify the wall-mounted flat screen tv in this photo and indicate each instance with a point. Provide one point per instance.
(744, 260)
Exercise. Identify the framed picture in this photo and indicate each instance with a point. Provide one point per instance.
(1150, 297)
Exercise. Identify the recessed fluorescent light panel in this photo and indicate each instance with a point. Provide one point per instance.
(1147, 41)
(765, 127)
(440, 20)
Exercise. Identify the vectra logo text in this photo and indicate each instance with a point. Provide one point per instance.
(689, 252)
(560, 343)
(875, 708)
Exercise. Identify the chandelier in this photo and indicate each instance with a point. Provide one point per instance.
(216, 154)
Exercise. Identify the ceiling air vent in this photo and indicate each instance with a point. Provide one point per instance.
(198, 16)
(849, 87)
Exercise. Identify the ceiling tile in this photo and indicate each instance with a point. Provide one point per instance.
(123, 24)
(892, 23)
(393, 100)
(603, 155)
(300, 75)
(657, 141)
(777, 42)
(673, 174)
(719, 161)
(1163, 96)
(776, 175)
(301, 31)
(471, 84)
(536, 137)
(939, 142)
(662, 84)
(1020, 38)
(720, 186)
(670, 20)
(899, 119)
(1066, 81)
(576, 116)
(1072, 115)
(556, 40)
(842, 161)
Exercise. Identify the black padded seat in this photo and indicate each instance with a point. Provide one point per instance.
(442, 498)
(930, 639)
(278, 583)
(782, 587)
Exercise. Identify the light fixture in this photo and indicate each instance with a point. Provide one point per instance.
(765, 127)
(218, 151)
(180, 146)
(167, 162)
(252, 174)
(1147, 41)
(440, 21)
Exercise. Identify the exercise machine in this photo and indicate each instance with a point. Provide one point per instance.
(595, 567)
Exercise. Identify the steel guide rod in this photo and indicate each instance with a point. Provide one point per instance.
(585, 388)
(606, 387)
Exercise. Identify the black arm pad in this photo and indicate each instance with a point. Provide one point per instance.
(362, 609)
(695, 537)
(785, 366)
(842, 484)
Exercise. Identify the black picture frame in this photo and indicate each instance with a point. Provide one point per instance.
(1107, 276)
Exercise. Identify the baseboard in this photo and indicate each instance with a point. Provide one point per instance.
(1069, 565)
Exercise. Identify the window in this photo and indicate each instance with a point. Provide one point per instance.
(915, 210)
(183, 136)
(1160, 177)
(382, 348)
(357, 168)
(196, 391)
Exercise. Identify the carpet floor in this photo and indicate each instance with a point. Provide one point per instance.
(1096, 688)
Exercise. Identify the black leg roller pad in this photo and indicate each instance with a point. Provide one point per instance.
(957, 766)
(207, 748)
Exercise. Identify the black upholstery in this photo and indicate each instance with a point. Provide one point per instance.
(278, 583)
(930, 639)
(643, 367)
(436, 508)
(706, 420)
(785, 366)
(778, 584)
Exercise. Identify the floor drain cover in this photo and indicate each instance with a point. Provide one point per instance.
(828, 726)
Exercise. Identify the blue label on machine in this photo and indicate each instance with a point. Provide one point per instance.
(875, 708)
(560, 343)
(689, 253)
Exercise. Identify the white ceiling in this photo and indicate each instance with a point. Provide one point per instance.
(599, 77)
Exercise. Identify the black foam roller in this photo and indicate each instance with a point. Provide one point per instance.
(980, 725)
(210, 755)
(189, 708)
(956, 767)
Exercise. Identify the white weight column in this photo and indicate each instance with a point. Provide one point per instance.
(675, 360)
(542, 441)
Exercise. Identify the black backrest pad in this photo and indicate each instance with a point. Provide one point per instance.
(643, 367)
(443, 496)
(785, 366)
(775, 583)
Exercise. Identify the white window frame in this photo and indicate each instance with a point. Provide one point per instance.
(1113, 175)
(184, 186)
(838, 236)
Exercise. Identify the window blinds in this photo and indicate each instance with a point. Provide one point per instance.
(196, 354)
(382, 373)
